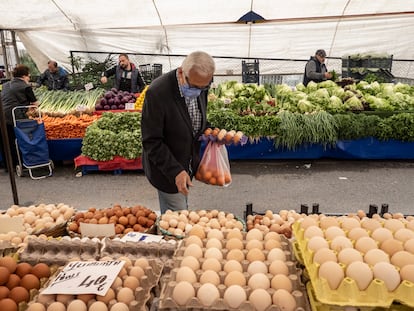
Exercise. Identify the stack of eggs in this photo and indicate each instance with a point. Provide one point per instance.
(18, 281)
(125, 219)
(233, 270)
(279, 223)
(129, 291)
(38, 219)
(361, 250)
(180, 223)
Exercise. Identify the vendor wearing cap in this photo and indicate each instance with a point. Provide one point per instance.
(315, 69)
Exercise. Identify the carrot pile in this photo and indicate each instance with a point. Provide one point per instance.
(69, 126)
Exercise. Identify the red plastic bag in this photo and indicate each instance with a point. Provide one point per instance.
(214, 167)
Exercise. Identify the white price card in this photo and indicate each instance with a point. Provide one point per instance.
(129, 106)
(138, 237)
(88, 86)
(85, 277)
(8, 224)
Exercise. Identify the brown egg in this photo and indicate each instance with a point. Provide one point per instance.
(85, 297)
(14, 280)
(23, 268)
(37, 306)
(41, 270)
(235, 278)
(235, 254)
(30, 281)
(8, 304)
(364, 244)
(125, 295)
(131, 282)
(324, 254)
(391, 246)
(4, 275)
(4, 292)
(56, 306)
(256, 254)
(64, 298)
(402, 258)
(110, 294)
(19, 294)
(9, 263)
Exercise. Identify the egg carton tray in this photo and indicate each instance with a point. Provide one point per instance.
(142, 294)
(318, 306)
(348, 293)
(168, 235)
(60, 251)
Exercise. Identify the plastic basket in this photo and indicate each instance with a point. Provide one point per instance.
(250, 67)
(150, 72)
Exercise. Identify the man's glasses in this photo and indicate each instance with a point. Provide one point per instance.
(204, 88)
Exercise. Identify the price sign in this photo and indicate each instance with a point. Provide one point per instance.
(85, 277)
(129, 106)
(88, 86)
(138, 236)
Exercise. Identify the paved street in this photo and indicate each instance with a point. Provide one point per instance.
(338, 186)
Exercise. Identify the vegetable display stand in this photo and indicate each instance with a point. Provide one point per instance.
(117, 165)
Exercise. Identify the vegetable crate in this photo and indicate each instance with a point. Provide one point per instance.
(150, 72)
(375, 62)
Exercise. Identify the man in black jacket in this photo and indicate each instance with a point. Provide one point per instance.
(173, 118)
(127, 76)
(315, 69)
(54, 77)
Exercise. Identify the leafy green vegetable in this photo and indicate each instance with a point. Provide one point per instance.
(114, 134)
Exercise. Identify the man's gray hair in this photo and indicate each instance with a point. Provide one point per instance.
(199, 61)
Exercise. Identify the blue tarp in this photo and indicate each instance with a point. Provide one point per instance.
(364, 148)
(64, 149)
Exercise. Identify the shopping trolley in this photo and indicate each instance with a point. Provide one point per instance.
(31, 144)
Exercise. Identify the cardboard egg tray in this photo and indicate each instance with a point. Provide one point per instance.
(166, 302)
(60, 251)
(142, 293)
(348, 293)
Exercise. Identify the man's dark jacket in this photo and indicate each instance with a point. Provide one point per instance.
(167, 135)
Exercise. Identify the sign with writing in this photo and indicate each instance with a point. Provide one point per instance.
(8, 224)
(97, 230)
(138, 236)
(129, 106)
(88, 86)
(85, 277)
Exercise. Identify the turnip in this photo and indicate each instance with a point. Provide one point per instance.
(98, 107)
(110, 101)
(121, 106)
(114, 90)
(107, 107)
(114, 107)
(108, 95)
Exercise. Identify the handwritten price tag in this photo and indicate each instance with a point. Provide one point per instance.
(85, 277)
(141, 237)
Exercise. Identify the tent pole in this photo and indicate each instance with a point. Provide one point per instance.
(7, 154)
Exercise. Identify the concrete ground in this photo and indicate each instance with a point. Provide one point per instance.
(338, 187)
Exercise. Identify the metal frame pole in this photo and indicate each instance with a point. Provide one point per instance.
(7, 154)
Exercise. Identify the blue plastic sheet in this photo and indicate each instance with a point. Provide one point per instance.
(31, 140)
(65, 149)
(364, 148)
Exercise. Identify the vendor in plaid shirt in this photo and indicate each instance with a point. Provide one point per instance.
(173, 118)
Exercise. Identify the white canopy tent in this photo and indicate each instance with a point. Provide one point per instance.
(293, 29)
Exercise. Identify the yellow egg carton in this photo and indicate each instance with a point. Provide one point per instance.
(348, 293)
(319, 306)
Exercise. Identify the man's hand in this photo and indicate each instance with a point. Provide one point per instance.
(104, 79)
(183, 181)
(328, 75)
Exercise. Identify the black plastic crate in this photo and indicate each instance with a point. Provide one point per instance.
(384, 62)
(250, 78)
(252, 68)
(150, 72)
(348, 62)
